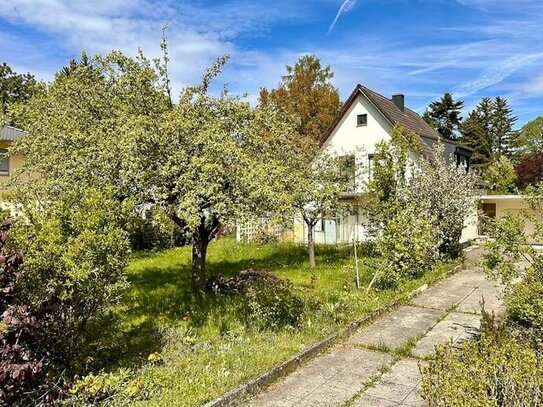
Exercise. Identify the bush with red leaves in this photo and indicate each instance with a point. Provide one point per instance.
(18, 366)
(530, 170)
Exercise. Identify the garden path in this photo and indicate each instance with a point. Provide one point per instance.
(379, 366)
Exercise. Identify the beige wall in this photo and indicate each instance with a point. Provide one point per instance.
(15, 161)
(471, 229)
(514, 205)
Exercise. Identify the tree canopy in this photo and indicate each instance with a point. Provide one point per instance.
(319, 178)
(530, 170)
(489, 130)
(206, 160)
(15, 90)
(444, 115)
(529, 140)
(305, 94)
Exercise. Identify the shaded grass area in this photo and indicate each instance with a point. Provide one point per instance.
(206, 348)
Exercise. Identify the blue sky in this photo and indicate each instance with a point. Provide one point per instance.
(473, 48)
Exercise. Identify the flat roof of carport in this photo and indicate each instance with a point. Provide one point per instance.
(501, 197)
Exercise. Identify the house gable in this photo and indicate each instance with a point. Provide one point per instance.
(344, 135)
(347, 137)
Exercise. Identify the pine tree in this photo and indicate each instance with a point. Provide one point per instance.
(429, 119)
(475, 136)
(444, 116)
(489, 130)
(477, 132)
(502, 127)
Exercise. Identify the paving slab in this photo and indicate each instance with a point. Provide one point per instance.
(454, 327)
(395, 388)
(334, 378)
(370, 401)
(450, 292)
(329, 380)
(489, 294)
(391, 391)
(405, 371)
(394, 329)
(414, 400)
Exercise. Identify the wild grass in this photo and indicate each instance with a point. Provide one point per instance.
(205, 348)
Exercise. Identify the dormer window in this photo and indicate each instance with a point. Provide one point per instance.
(361, 120)
(463, 159)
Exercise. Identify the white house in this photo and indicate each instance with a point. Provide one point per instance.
(365, 119)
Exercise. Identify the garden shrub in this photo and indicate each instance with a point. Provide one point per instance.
(265, 235)
(19, 364)
(446, 194)
(416, 212)
(409, 243)
(269, 302)
(524, 308)
(496, 370)
(367, 248)
(520, 267)
(504, 366)
(75, 257)
(95, 388)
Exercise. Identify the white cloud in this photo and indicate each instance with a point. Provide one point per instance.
(497, 73)
(345, 6)
(486, 51)
(196, 35)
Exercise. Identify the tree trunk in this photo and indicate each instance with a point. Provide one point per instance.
(311, 244)
(199, 251)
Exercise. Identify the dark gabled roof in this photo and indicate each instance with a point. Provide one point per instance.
(407, 118)
(9, 133)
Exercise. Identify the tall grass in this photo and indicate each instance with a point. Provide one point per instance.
(206, 349)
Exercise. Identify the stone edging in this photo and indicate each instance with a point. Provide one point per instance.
(251, 387)
(292, 364)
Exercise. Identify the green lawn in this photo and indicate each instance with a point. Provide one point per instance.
(206, 349)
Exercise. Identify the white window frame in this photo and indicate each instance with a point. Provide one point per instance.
(4, 157)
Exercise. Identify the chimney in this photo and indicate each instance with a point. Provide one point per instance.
(399, 101)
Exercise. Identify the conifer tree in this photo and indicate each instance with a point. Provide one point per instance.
(502, 126)
(489, 130)
(476, 132)
(444, 116)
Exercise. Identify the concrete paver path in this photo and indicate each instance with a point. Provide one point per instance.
(370, 369)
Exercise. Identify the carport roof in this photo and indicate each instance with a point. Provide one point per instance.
(9, 133)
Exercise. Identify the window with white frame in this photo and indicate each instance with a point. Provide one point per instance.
(371, 165)
(4, 162)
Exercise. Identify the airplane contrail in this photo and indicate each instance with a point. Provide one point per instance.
(347, 4)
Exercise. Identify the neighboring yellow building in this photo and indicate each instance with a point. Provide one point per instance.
(496, 206)
(8, 164)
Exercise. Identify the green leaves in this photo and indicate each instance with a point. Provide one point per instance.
(500, 176)
(75, 259)
(417, 207)
(494, 370)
